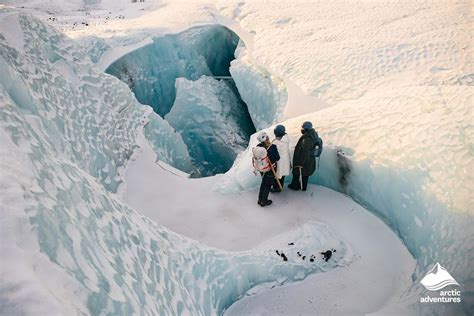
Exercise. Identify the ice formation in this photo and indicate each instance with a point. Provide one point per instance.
(69, 244)
(264, 94)
(151, 71)
(168, 145)
(174, 76)
(213, 122)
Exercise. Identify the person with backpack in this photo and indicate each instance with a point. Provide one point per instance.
(282, 142)
(265, 157)
(308, 148)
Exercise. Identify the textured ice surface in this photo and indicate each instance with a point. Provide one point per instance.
(168, 144)
(151, 71)
(264, 94)
(213, 122)
(208, 114)
(69, 244)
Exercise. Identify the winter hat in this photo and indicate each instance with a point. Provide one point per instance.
(262, 137)
(279, 131)
(307, 125)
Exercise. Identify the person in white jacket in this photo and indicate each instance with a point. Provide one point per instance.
(282, 141)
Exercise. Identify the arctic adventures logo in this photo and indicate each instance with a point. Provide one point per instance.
(435, 280)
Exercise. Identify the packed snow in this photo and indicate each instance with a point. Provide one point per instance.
(99, 214)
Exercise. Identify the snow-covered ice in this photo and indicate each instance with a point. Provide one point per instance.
(388, 86)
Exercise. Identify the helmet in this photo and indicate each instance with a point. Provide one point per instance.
(279, 131)
(262, 137)
(307, 125)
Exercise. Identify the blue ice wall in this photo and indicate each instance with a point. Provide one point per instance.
(168, 145)
(264, 94)
(209, 114)
(213, 122)
(151, 71)
(431, 232)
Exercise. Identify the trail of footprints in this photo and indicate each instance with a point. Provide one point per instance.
(326, 255)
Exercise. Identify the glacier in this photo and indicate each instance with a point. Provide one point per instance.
(400, 93)
(401, 113)
(70, 245)
(168, 145)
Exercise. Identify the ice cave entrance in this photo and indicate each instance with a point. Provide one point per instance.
(185, 78)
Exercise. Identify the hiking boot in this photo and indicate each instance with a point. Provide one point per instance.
(266, 203)
(293, 188)
(272, 190)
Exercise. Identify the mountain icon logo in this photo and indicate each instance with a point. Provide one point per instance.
(438, 278)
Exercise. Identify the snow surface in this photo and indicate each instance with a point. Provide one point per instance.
(392, 84)
(219, 221)
(407, 159)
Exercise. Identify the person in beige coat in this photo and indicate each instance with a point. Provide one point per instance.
(282, 141)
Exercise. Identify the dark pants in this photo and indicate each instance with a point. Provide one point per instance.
(295, 182)
(276, 188)
(267, 181)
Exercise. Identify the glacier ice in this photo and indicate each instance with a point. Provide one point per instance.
(168, 145)
(213, 122)
(69, 244)
(151, 71)
(168, 74)
(264, 94)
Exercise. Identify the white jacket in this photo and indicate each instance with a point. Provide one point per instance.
(284, 164)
